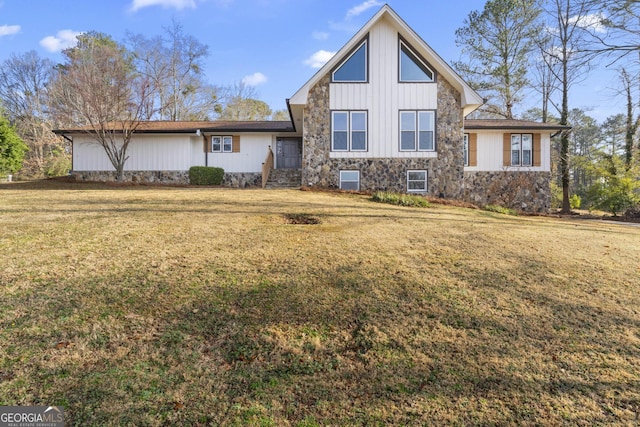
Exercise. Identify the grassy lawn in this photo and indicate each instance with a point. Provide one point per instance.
(185, 306)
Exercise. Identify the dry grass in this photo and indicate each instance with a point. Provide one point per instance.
(183, 306)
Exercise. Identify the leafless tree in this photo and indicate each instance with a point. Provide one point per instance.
(173, 65)
(97, 88)
(23, 93)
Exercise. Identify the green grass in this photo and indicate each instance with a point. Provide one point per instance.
(191, 306)
(410, 200)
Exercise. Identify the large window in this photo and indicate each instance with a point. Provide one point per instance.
(350, 180)
(221, 144)
(416, 181)
(349, 131)
(417, 130)
(521, 149)
(354, 67)
(412, 68)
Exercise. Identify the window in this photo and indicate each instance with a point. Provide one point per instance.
(349, 131)
(416, 181)
(416, 130)
(354, 67)
(521, 149)
(221, 144)
(466, 149)
(350, 180)
(412, 68)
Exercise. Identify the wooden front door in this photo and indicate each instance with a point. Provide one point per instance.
(288, 153)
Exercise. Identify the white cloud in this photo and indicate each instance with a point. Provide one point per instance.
(357, 10)
(591, 22)
(63, 40)
(320, 35)
(319, 58)
(7, 30)
(177, 4)
(254, 79)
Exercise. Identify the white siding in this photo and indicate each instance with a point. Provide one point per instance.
(490, 146)
(383, 97)
(146, 152)
(253, 151)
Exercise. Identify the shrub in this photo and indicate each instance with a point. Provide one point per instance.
(400, 199)
(500, 209)
(575, 201)
(204, 175)
(614, 194)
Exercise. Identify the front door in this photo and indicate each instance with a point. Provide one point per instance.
(288, 153)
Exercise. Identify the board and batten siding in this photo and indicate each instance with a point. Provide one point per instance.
(383, 100)
(253, 152)
(146, 153)
(490, 152)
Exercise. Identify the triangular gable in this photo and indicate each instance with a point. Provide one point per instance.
(470, 99)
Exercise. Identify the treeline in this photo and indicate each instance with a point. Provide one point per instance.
(100, 79)
(516, 50)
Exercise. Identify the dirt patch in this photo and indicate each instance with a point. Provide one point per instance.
(301, 219)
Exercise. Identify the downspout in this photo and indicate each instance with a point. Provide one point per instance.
(206, 151)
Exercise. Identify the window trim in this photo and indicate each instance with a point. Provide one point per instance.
(350, 131)
(423, 62)
(222, 144)
(521, 150)
(365, 42)
(343, 180)
(426, 176)
(465, 149)
(417, 130)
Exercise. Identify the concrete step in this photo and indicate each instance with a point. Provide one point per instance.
(284, 178)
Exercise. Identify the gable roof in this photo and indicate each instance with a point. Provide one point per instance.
(470, 99)
(165, 126)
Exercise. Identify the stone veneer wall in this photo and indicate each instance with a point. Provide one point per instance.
(523, 191)
(239, 180)
(444, 173)
(160, 177)
(242, 179)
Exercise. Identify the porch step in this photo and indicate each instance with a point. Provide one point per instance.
(284, 178)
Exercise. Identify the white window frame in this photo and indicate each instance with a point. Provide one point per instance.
(417, 129)
(350, 130)
(344, 180)
(465, 149)
(409, 181)
(224, 146)
(519, 138)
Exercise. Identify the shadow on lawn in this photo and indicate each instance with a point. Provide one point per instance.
(347, 347)
(345, 350)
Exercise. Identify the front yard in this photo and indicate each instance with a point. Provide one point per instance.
(187, 306)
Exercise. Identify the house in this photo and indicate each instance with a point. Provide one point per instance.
(385, 113)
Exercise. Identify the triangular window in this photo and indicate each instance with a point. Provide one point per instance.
(412, 68)
(354, 67)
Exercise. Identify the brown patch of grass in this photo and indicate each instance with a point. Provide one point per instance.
(189, 306)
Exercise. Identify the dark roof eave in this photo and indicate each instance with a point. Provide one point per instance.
(514, 127)
(184, 131)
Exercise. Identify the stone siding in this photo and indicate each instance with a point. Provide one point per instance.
(242, 179)
(237, 180)
(444, 173)
(160, 177)
(523, 191)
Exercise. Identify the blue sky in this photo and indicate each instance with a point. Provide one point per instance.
(275, 45)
